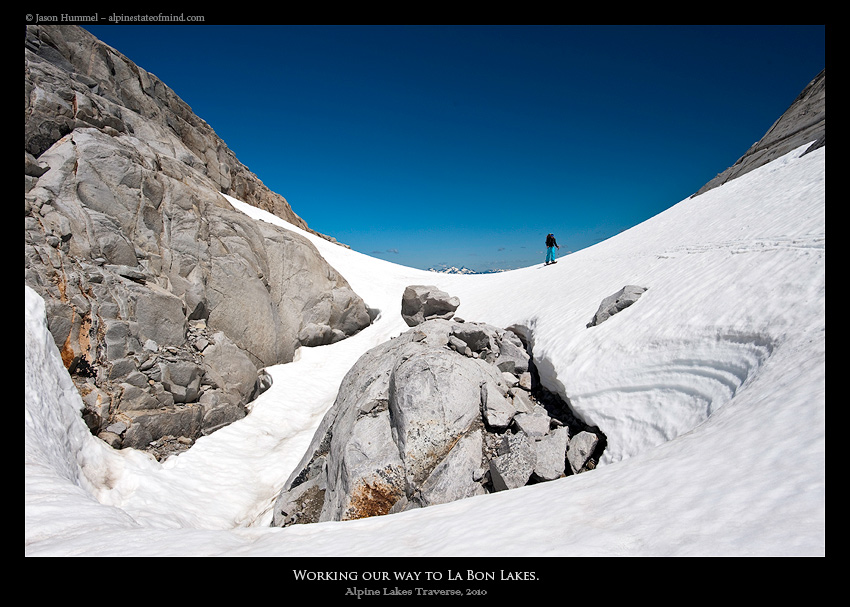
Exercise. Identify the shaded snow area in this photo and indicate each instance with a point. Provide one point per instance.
(710, 390)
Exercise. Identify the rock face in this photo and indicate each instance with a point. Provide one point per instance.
(163, 300)
(615, 303)
(443, 412)
(803, 122)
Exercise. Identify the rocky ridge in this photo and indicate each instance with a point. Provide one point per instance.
(803, 122)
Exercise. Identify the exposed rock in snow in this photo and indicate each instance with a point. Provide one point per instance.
(421, 421)
(426, 302)
(617, 302)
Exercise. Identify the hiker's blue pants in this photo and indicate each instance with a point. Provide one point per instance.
(550, 254)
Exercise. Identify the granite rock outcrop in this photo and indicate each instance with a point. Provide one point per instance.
(804, 122)
(165, 302)
(447, 410)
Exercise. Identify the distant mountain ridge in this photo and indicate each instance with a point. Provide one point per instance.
(444, 269)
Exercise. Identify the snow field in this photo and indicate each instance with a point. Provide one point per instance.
(710, 389)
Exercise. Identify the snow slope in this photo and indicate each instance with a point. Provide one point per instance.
(711, 390)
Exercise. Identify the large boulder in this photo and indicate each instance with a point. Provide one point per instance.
(426, 302)
(422, 420)
(140, 258)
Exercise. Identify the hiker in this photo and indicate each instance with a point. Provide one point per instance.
(551, 245)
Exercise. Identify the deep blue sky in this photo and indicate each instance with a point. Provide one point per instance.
(466, 145)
